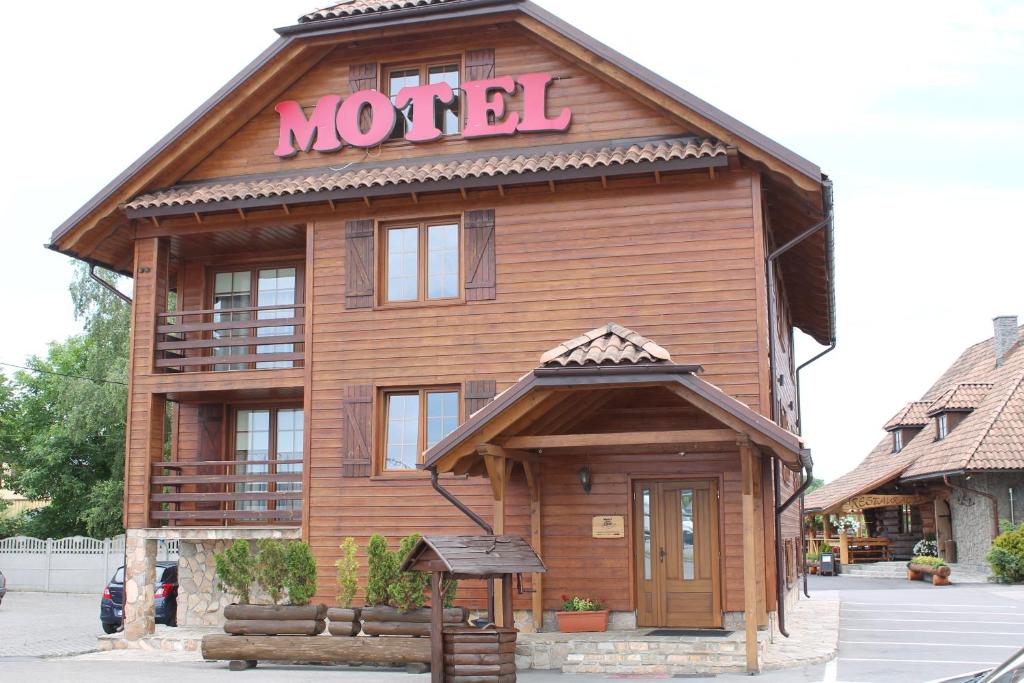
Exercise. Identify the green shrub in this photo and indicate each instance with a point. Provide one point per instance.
(235, 571)
(271, 571)
(348, 580)
(825, 548)
(300, 575)
(1007, 556)
(449, 586)
(382, 571)
(576, 603)
(927, 560)
(407, 591)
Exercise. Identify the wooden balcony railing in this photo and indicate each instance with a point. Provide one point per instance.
(236, 491)
(230, 338)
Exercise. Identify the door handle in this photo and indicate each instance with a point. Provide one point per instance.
(661, 554)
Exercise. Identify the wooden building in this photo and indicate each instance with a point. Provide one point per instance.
(382, 223)
(947, 466)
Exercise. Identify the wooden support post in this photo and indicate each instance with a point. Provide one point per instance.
(749, 553)
(844, 547)
(507, 618)
(532, 470)
(498, 471)
(436, 629)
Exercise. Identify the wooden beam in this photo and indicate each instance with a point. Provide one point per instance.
(619, 438)
(532, 470)
(749, 554)
(499, 470)
(436, 629)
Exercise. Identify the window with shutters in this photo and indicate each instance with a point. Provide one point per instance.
(447, 117)
(421, 261)
(413, 420)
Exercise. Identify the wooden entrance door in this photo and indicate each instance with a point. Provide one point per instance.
(676, 553)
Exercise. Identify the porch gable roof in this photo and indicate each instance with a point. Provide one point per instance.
(474, 556)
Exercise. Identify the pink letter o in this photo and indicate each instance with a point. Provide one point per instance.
(382, 118)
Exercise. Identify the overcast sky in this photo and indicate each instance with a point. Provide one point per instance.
(914, 110)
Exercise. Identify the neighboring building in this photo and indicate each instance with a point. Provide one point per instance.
(347, 319)
(951, 463)
(15, 503)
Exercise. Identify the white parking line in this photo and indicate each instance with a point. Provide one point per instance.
(931, 611)
(929, 621)
(917, 661)
(910, 604)
(933, 630)
(831, 672)
(893, 642)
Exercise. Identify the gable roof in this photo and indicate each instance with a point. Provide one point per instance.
(355, 8)
(483, 555)
(990, 437)
(611, 344)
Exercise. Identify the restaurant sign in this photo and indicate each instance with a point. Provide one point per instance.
(367, 117)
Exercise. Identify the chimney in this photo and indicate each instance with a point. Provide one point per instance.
(1006, 335)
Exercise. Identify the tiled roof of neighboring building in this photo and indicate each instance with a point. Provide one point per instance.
(611, 344)
(353, 8)
(965, 396)
(910, 415)
(991, 437)
(408, 172)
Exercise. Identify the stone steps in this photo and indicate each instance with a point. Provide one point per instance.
(631, 653)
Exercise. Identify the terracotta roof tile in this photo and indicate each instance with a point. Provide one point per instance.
(357, 176)
(911, 415)
(990, 437)
(354, 8)
(965, 396)
(611, 344)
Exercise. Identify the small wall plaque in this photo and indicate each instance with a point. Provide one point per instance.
(609, 526)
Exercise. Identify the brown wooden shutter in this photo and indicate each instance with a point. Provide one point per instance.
(363, 77)
(480, 64)
(359, 264)
(357, 428)
(479, 392)
(479, 257)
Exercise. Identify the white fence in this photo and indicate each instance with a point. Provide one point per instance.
(76, 564)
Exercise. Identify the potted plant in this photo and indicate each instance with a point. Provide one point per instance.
(580, 615)
(281, 571)
(344, 620)
(924, 565)
(813, 559)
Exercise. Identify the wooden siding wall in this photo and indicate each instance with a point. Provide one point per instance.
(674, 262)
(600, 112)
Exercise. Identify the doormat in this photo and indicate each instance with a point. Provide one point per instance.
(695, 632)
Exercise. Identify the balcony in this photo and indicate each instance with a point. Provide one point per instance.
(226, 339)
(226, 492)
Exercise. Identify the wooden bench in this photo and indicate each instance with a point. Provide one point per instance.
(869, 550)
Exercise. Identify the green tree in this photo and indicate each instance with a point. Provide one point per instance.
(300, 577)
(63, 436)
(271, 571)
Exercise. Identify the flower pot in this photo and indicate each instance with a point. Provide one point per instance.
(343, 621)
(583, 622)
(391, 621)
(275, 620)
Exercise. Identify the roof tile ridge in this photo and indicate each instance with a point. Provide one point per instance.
(1014, 386)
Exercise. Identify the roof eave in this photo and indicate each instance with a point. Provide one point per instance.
(458, 8)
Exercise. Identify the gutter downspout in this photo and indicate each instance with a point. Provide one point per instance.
(106, 285)
(991, 499)
(478, 520)
(780, 578)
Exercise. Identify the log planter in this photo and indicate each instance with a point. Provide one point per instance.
(939, 575)
(583, 622)
(480, 655)
(391, 621)
(275, 620)
(343, 621)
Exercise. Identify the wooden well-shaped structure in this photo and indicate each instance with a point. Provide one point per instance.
(473, 557)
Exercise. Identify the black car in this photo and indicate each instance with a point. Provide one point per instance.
(165, 598)
(3, 586)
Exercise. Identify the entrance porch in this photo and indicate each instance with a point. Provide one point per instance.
(639, 484)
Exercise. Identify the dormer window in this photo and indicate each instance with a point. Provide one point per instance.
(897, 440)
(941, 426)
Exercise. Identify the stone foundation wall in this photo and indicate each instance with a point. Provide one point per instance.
(200, 601)
(972, 513)
(139, 578)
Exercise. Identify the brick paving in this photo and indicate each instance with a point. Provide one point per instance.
(48, 624)
(813, 627)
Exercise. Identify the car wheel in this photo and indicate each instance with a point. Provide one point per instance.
(110, 628)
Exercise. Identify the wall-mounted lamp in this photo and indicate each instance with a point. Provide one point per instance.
(585, 481)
